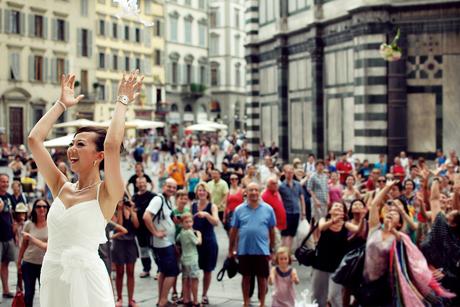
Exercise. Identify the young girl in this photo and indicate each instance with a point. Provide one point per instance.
(283, 278)
(189, 239)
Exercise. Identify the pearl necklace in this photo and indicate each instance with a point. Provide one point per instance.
(85, 188)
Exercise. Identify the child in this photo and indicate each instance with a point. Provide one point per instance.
(181, 208)
(189, 239)
(283, 278)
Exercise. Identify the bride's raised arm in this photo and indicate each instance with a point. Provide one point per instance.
(113, 187)
(53, 177)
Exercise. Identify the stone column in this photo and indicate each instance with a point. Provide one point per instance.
(316, 50)
(282, 63)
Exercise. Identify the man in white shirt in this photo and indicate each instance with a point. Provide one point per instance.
(158, 220)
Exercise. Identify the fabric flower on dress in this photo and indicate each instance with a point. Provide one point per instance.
(129, 8)
(391, 52)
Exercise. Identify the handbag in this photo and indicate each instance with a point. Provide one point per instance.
(306, 255)
(351, 268)
(18, 300)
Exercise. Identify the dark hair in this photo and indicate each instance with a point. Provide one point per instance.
(413, 166)
(99, 139)
(409, 180)
(33, 214)
(354, 201)
(456, 221)
(345, 210)
(319, 162)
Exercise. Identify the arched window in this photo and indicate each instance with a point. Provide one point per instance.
(174, 108)
(188, 108)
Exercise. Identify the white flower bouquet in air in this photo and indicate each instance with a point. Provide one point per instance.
(305, 301)
(391, 52)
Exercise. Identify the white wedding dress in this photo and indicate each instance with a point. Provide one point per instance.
(73, 274)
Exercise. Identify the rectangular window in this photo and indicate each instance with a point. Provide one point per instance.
(213, 18)
(174, 73)
(101, 60)
(158, 95)
(60, 68)
(101, 91)
(138, 63)
(38, 22)
(38, 68)
(127, 66)
(84, 42)
(102, 27)
(157, 57)
(138, 35)
(127, 33)
(188, 76)
(202, 34)
(114, 30)
(174, 29)
(16, 22)
(115, 62)
(238, 76)
(188, 31)
(157, 28)
(214, 76)
(60, 29)
(202, 75)
(14, 66)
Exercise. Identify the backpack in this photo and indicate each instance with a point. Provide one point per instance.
(160, 214)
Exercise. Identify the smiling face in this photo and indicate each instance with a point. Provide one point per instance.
(201, 192)
(82, 152)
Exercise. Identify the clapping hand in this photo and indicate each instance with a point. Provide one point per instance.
(67, 91)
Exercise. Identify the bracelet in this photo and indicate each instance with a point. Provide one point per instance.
(62, 104)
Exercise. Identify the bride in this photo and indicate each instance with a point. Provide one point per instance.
(72, 272)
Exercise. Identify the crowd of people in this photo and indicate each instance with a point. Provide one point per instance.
(170, 217)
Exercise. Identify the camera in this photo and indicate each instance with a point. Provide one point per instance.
(126, 201)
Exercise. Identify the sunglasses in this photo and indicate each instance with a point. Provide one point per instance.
(41, 207)
(380, 180)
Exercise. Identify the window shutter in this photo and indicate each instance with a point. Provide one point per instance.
(66, 31)
(22, 20)
(141, 36)
(54, 29)
(45, 27)
(148, 95)
(31, 67)
(66, 66)
(120, 63)
(79, 42)
(120, 31)
(107, 61)
(90, 43)
(16, 66)
(142, 68)
(31, 25)
(45, 69)
(54, 78)
(132, 34)
(162, 28)
(7, 21)
(192, 75)
(1, 20)
(206, 75)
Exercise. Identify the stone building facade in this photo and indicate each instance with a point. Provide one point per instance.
(314, 68)
(227, 63)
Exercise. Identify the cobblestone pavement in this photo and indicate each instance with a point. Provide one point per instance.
(225, 293)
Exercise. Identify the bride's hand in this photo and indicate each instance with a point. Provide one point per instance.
(130, 85)
(67, 91)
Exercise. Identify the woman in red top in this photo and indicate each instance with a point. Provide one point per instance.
(234, 199)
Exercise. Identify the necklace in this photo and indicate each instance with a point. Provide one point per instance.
(85, 188)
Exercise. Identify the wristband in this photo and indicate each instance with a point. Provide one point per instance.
(62, 104)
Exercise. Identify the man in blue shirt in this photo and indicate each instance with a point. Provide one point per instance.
(253, 232)
(294, 203)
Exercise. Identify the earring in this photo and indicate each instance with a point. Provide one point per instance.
(94, 162)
